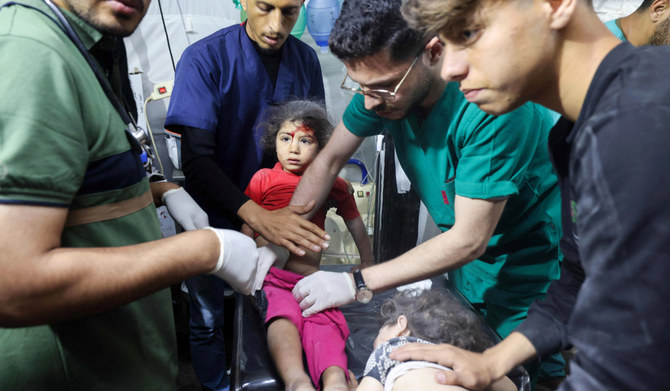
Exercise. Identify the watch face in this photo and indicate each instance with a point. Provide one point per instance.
(364, 296)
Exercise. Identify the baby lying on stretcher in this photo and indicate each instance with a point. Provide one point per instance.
(295, 131)
(429, 317)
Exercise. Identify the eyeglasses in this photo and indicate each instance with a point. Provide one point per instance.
(379, 94)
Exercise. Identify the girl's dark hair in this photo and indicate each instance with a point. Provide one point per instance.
(312, 114)
(439, 318)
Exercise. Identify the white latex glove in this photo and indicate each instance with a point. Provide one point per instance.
(184, 210)
(268, 256)
(238, 260)
(322, 290)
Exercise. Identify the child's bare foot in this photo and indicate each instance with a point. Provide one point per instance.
(333, 379)
(301, 385)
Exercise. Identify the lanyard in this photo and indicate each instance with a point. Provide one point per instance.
(136, 136)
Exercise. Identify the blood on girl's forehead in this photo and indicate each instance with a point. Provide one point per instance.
(302, 128)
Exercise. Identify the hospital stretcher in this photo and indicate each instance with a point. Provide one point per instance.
(252, 368)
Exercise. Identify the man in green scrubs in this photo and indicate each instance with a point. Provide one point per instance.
(486, 181)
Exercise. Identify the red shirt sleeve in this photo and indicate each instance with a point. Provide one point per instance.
(346, 204)
(255, 187)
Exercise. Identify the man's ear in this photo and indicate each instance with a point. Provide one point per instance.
(561, 12)
(658, 10)
(434, 47)
(243, 3)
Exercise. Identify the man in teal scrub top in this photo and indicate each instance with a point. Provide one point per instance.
(486, 181)
(648, 25)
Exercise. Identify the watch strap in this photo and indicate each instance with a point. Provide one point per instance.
(359, 282)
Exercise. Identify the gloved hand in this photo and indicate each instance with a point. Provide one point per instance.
(322, 290)
(238, 260)
(184, 210)
(268, 256)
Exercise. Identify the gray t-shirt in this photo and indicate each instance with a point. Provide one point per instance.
(380, 364)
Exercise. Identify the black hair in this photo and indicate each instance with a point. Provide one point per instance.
(312, 114)
(365, 27)
(439, 318)
(644, 6)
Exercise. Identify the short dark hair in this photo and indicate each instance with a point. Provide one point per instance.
(365, 27)
(439, 318)
(644, 6)
(444, 16)
(313, 114)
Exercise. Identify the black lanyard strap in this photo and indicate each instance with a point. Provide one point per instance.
(104, 83)
(137, 136)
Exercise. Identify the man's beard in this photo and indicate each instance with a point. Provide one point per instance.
(661, 35)
(90, 17)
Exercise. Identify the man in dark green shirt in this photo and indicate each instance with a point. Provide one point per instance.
(82, 298)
